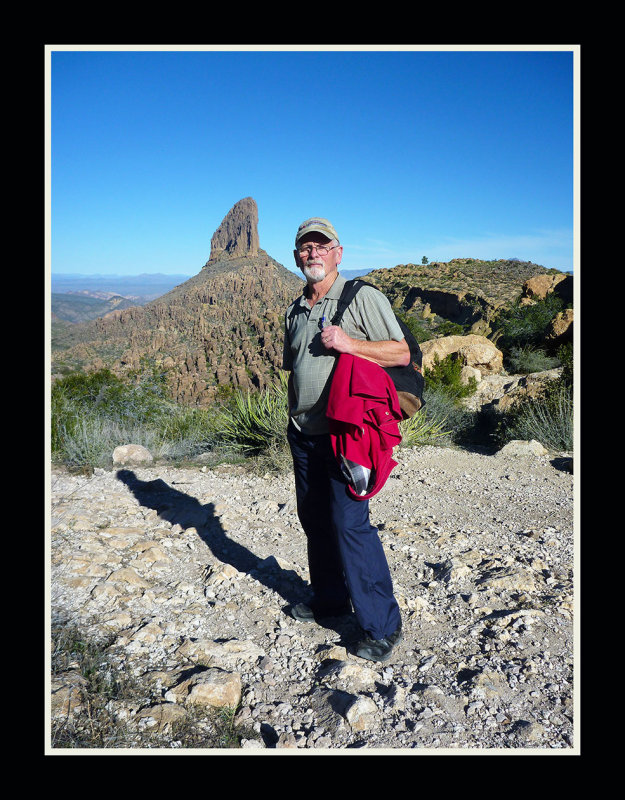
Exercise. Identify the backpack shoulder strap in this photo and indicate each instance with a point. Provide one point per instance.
(350, 290)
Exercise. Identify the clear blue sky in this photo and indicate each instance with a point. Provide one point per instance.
(443, 154)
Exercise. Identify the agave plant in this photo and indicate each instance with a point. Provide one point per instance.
(421, 429)
(256, 421)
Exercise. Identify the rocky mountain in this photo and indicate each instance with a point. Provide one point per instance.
(221, 327)
(466, 291)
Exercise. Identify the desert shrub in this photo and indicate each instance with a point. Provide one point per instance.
(425, 427)
(461, 425)
(93, 414)
(548, 418)
(445, 376)
(526, 359)
(565, 356)
(521, 325)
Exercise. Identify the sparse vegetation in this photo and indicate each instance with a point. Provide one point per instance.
(547, 418)
(91, 414)
(106, 697)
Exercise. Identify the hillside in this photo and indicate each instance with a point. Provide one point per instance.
(77, 307)
(138, 288)
(221, 327)
(466, 291)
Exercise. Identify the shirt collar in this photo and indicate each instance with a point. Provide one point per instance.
(333, 293)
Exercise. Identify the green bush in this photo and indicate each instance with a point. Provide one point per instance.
(522, 325)
(445, 376)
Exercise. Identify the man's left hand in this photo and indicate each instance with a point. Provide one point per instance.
(385, 353)
(334, 338)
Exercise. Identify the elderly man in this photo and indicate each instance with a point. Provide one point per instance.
(345, 556)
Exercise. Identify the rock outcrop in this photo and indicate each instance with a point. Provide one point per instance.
(473, 350)
(539, 286)
(237, 236)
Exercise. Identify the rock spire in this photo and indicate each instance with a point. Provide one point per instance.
(237, 236)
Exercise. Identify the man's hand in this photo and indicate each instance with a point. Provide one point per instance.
(387, 353)
(334, 338)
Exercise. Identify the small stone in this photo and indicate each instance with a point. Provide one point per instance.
(361, 714)
(129, 454)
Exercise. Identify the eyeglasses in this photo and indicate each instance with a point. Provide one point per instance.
(321, 249)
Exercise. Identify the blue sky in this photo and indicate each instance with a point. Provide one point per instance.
(444, 154)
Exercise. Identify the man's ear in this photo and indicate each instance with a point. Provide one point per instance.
(298, 260)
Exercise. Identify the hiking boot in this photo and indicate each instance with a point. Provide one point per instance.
(378, 649)
(305, 613)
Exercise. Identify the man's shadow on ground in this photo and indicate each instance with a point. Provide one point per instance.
(182, 509)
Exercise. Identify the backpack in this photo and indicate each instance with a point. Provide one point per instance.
(409, 381)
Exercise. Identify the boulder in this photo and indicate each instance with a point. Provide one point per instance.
(132, 454)
(561, 328)
(473, 351)
(519, 447)
(539, 286)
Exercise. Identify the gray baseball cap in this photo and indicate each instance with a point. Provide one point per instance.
(317, 225)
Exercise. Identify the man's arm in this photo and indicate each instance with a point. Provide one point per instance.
(389, 353)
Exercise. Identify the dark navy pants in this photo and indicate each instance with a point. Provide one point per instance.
(346, 559)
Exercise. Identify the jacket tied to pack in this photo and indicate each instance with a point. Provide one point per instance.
(363, 415)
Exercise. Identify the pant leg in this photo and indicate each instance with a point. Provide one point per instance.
(364, 562)
(346, 557)
(312, 487)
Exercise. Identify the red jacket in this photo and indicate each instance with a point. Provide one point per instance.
(364, 415)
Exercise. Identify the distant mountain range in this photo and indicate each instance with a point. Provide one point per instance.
(78, 297)
(223, 327)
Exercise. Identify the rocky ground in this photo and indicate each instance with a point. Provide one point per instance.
(189, 572)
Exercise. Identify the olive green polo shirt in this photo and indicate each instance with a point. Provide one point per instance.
(368, 316)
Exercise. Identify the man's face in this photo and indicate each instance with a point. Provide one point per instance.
(313, 264)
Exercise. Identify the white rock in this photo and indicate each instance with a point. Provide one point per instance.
(519, 447)
(132, 454)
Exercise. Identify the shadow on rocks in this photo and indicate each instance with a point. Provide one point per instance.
(182, 509)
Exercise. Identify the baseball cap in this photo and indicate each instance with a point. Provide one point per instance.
(317, 224)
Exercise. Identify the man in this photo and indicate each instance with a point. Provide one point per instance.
(345, 556)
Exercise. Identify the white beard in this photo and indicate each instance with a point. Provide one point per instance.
(314, 274)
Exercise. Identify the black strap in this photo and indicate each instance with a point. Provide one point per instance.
(350, 291)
